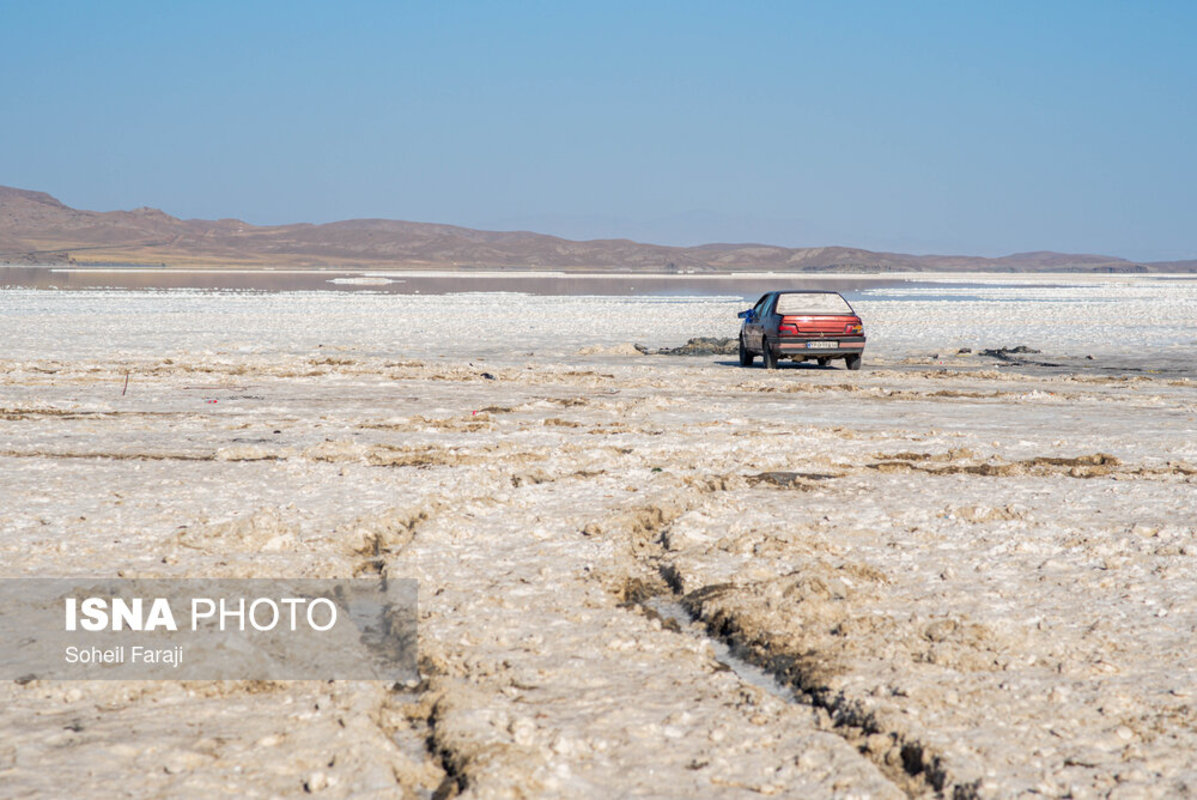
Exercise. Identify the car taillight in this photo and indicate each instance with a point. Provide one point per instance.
(787, 327)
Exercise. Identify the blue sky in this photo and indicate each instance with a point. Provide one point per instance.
(948, 127)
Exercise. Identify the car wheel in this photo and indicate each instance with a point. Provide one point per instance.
(746, 356)
(768, 356)
(853, 362)
(824, 361)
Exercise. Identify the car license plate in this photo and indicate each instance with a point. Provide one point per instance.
(822, 344)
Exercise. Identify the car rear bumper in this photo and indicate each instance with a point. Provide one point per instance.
(802, 346)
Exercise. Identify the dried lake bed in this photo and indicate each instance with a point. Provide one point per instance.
(973, 576)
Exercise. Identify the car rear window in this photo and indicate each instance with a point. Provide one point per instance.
(812, 303)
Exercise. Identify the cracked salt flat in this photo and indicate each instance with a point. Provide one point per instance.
(1004, 625)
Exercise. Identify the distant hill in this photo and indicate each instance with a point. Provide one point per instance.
(35, 228)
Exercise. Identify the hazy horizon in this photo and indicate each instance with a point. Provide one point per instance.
(922, 128)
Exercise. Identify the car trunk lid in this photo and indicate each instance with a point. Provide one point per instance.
(813, 325)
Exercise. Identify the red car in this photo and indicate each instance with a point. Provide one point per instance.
(801, 326)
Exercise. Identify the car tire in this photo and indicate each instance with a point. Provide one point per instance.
(767, 355)
(853, 362)
(746, 356)
(824, 361)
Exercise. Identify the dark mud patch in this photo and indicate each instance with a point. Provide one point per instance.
(1096, 465)
(13, 414)
(1005, 353)
(957, 394)
(698, 346)
(789, 480)
(568, 402)
(112, 456)
(533, 477)
(17, 414)
(421, 459)
(955, 454)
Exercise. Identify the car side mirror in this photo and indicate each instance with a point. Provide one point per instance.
(745, 314)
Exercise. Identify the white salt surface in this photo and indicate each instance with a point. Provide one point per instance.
(983, 577)
(1114, 316)
(1118, 315)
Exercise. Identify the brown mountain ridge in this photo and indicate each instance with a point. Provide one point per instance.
(36, 228)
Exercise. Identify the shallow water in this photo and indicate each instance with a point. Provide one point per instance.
(673, 611)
